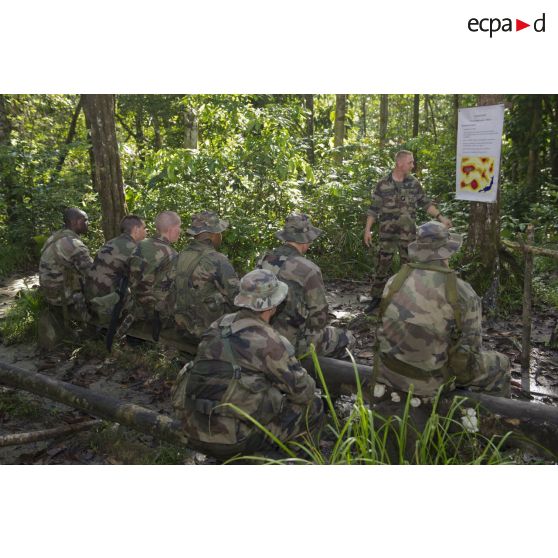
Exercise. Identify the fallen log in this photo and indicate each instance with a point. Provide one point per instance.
(94, 403)
(532, 421)
(29, 437)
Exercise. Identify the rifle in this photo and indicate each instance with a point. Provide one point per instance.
(114, 317)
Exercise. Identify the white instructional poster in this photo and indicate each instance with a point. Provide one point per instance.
(479, 144)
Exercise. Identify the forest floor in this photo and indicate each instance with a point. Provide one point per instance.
(143, 374)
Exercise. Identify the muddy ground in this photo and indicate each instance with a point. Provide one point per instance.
(143, 374)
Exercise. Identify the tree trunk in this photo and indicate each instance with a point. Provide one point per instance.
(107, 172)
(190, 128)
(455, 117)
(309, 106)
(69, 140)
(139, 135)
(416, 112)
(339, 127)
(384, 114)
(534, 148)
(94, 403)
(553, 111)
(483, 237)
(157, 141)
(363, 100)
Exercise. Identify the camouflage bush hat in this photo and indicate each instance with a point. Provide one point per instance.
(206, 221)
(434, 242)
(260, 290)
(298, 228)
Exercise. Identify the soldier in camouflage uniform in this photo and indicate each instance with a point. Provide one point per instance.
(430, 326)
(304, 316)
(112, 266)
(243, 361)
(64, 266)
(150, 267)
(205, 282)
(395, 199)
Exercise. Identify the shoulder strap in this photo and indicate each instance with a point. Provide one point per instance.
(394, 286)
(451, 293)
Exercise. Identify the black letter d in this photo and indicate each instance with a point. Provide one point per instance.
(535, 25)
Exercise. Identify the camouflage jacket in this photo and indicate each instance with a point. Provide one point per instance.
(150, 282)
(418, 327)
(111, 263)
(64, 266)
(305, 312)
(241, 360)
(205, 284)
(394, 204)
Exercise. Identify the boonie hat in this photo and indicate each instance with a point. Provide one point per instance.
(434, 242)
(298, 228)
(206, 221)
(260, 290)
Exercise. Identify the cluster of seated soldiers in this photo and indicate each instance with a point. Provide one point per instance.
(249, 332)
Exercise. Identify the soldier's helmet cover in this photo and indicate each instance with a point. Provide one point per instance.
(260, 290)
(206, 221)
(434, 242)
(298, 228)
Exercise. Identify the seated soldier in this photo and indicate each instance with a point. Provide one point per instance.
(303, 318)
(108, 278)
(205, 282)
(150, 266)
(243, 361)
(64, 266)
(430, 324)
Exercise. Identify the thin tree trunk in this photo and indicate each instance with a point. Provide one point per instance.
(309, 106)
(363, 100)
(69, 139)
(483, 238)
(190, 128)
(430, 111)
(455, 117)
(416, 112)
(157, 141)
(107, 172)
(48, 434)
(384, 115)
(553, 102)
(339, 127)
(534, 145)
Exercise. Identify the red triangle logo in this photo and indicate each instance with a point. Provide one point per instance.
(519, 25)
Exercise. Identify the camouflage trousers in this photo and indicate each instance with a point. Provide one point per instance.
(388, 246)
(330, 342)
(486, 371)
(211, 434)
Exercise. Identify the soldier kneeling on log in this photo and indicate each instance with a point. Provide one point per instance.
(430, 325)
(243, 361)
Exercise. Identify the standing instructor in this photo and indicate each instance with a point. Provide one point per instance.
(395, 199)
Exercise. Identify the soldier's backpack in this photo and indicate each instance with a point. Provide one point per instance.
(459, 360)
(186, 263)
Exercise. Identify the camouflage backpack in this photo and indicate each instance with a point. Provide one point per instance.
(186, 263)
(458, 361)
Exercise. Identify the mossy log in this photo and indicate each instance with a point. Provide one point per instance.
(535, 422)
(94, 403)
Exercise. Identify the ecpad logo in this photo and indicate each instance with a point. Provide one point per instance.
(494, 24)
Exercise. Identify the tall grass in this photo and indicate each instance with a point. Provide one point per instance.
(367, 437)
(21, 321)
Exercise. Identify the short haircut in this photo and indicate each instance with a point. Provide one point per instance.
(129, 222)
(402, 153)
(165, 220)
(72, 214)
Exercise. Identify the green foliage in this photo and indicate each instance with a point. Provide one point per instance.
(21, 320)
